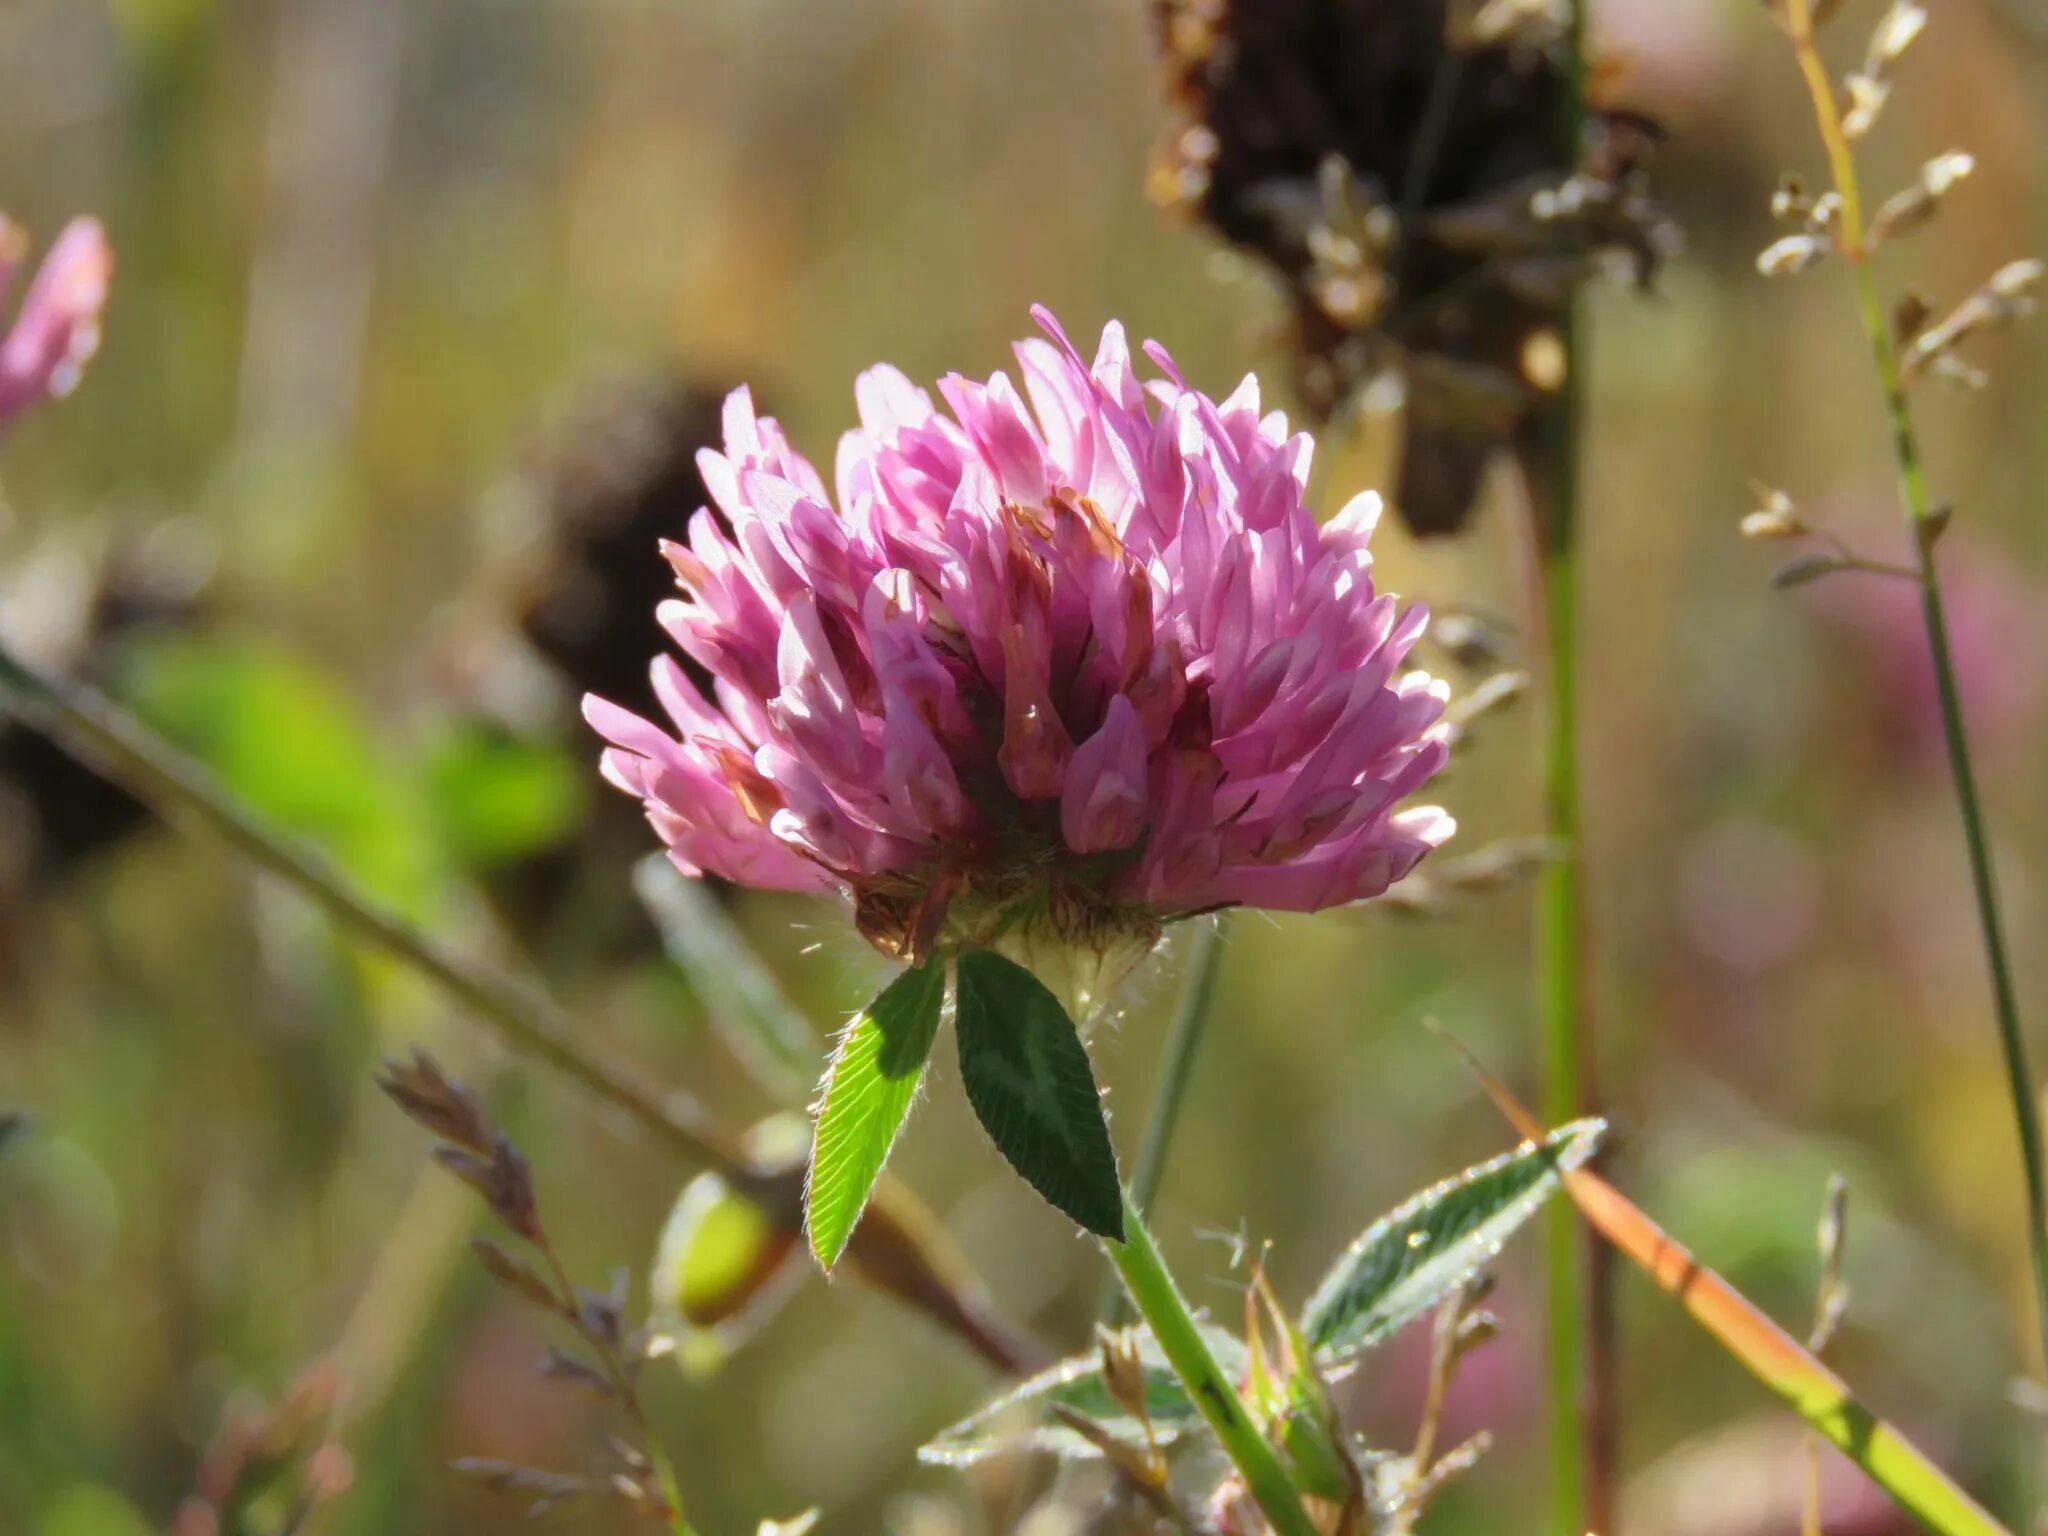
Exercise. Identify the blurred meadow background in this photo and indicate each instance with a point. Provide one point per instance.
(401, 284)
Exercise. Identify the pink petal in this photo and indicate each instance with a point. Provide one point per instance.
(1103, 803)
(57, 330)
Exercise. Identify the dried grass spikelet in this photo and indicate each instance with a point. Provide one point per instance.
(2010, 294)
(1400, 165)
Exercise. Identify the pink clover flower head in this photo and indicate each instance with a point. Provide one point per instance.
(57, 329)
(1073, 658)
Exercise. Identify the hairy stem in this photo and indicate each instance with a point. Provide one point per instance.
(1183, 1039)
(1925, 525)
(1166, 1312)
(900, 1248)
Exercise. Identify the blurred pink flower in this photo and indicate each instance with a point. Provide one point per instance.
(1678, 56)
(1088, 659)
(57, 329)
(1749, 893)
(1998, 630)
(1752, 1477)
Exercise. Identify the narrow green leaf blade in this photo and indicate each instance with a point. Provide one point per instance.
(748, 1008)
(1022, 1419)
(1411, 1258)
(868, 1088)
(1028, 1078)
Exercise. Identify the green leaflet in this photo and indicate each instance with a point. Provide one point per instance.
(1411, 1258)
(868, 1088)
(1028, 1078)
(1023, 1419)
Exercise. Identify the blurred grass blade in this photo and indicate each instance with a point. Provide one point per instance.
(1027, 1416)
(497, 799)
(750, 1011)
(868, 1092)
(1417, 1254)
(1028, 1078)
(108, 739)
(1765, 1350)
(1776, 1359)
(289, 741)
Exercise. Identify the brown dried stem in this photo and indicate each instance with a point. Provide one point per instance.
(900, 1248)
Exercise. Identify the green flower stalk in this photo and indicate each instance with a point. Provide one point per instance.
(1159, 1302)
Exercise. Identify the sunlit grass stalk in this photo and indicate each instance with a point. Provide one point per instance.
(1561, 999)
(1180, 1340)
(901, 1248)
(418, 1254)
(1776, 1359)
(1578, 1386)
(1760, 1346)
(1925, 525)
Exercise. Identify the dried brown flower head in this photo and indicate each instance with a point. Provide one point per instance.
(1403, 166)
(56, 814)
(622, 478)
(609, 482)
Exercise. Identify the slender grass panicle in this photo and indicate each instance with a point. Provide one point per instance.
(1907, 343)
(612, 1353)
